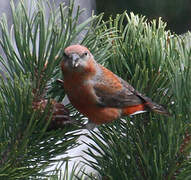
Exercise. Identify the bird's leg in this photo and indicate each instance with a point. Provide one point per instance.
(71, 121)
(90, 125)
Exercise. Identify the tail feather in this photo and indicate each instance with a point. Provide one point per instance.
(152, 106)
(147, 105)
(156, 108)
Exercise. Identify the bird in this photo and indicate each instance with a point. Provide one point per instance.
(98, 93)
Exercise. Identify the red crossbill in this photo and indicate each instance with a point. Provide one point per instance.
(98, 93)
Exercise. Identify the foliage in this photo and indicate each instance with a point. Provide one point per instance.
(148, 146)
(76, 172)
(155, 61)
(175, 12)
(32, 54)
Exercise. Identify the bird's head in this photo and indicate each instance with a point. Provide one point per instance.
(77, 58)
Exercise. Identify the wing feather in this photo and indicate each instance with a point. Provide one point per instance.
(112, 91)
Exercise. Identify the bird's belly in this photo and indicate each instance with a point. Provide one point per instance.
(99, 115)
(85, 101)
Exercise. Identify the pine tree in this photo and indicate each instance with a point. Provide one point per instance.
(148, 146)
(32, 134)
(155, 61)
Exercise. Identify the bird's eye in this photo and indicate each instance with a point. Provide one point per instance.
(85, 54)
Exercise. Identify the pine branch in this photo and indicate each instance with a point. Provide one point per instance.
(31, 131)
(33, 50)
(148, 146)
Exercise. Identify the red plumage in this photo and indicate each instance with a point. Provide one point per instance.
(97, 92)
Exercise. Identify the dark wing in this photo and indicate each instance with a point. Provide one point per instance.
(124, 97)
(112, 91)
